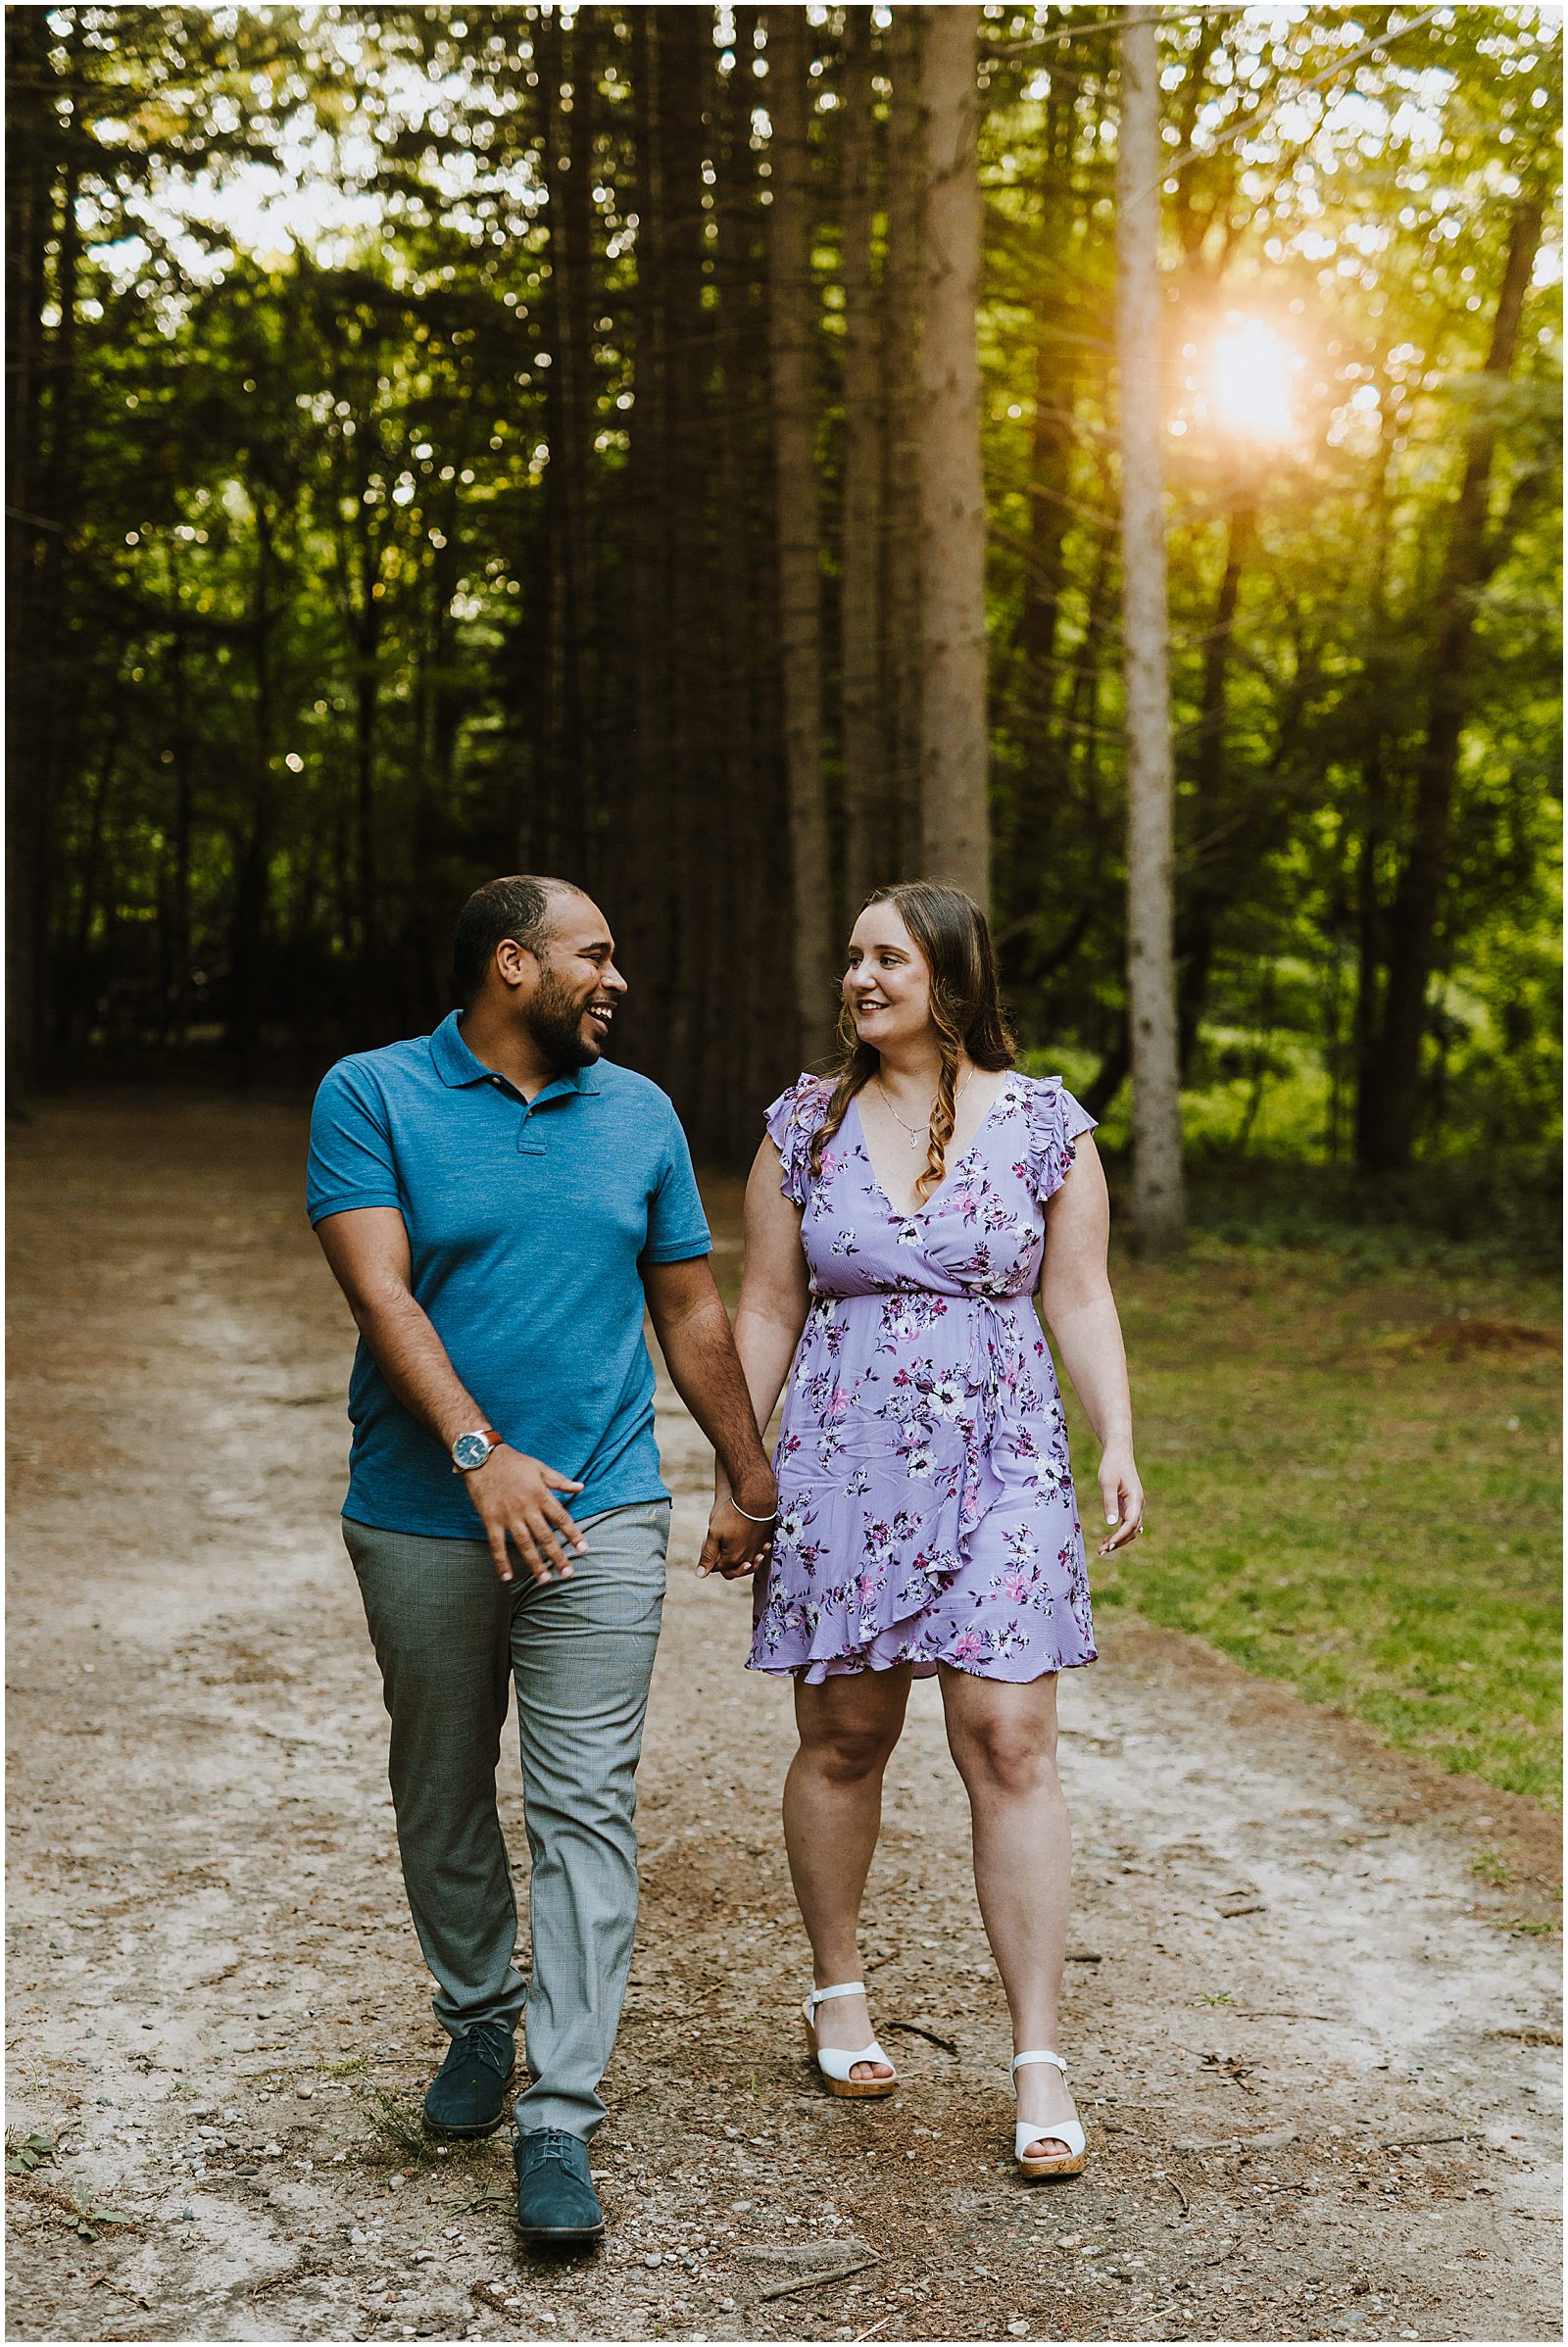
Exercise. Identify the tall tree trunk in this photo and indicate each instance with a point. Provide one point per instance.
(367, 721)
(77, 996)
(1159, 1213)
(49, 729)
(1036, 805)
(254, 843)
(1387, 1122)
(644, 845)
(567, 79)
(1198, 922)
(182, 743)
(29, 209)
(1374, 703)
(954, 819)
(765, 1053)
(903, 277)
(868, 833)
(691, 621)
(793, 340)
(755, 1048)
(1053, 430)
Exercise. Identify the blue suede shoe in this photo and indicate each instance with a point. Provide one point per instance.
(469, 2093)
(558, 2207)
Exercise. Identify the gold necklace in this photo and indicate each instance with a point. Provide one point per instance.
(916, 1135)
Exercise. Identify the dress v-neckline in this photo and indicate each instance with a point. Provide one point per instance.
(916, 1213)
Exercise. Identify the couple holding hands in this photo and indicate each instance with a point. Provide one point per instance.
(500, 1205)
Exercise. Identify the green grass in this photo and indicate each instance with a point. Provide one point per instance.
(1339, 1498)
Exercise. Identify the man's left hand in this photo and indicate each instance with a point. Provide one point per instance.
(734, 1544)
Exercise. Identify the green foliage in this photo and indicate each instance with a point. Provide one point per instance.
(317, 607)
(24, 2153)
(399, 2136)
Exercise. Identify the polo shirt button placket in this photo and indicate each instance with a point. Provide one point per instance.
(525, 1147)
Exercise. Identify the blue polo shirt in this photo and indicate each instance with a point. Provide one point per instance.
(527, 1223)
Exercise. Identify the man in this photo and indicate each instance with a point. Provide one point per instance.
(496, 1203)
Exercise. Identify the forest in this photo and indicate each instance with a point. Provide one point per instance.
(456, 440)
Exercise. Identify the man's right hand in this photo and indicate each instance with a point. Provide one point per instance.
(514, 1496)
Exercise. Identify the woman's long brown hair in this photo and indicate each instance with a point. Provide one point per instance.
(966, 1012)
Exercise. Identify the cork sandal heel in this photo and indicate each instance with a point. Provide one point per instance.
(1055, 2131)
(832, 2061)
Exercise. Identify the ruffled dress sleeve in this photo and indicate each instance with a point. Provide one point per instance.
(1056, 1121)
(792, 1123)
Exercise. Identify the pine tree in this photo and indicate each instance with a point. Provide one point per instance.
(1158, 1215)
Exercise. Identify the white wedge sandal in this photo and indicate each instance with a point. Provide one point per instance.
(1047, 2130)
(831, 2060)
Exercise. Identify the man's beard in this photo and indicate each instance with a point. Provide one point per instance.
(554, 1017)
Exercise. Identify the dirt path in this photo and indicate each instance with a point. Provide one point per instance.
(1310, 2059)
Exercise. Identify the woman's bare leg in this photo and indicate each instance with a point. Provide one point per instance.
(832, 1812)
(1003, 1740)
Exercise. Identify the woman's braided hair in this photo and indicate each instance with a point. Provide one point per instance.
(966, 1012)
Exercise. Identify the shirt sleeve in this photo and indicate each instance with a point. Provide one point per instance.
(677, 1227)
(351, 1161)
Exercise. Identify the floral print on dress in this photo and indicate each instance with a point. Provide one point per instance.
(927, 1508)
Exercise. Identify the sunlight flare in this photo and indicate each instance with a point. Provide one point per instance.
(1251, 374)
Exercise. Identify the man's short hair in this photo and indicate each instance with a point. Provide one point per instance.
(521, 907)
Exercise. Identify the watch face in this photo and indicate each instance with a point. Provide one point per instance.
(471, 1451)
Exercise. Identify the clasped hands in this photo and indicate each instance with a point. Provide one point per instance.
(516, 1500)
(736, 1543)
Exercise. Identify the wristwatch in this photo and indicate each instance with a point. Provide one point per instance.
(469, 1451)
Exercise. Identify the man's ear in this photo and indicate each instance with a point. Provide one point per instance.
(514, 965)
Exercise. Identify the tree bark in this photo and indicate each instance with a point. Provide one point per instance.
(253, 845)
(366, 640)
(759, 1053)
(644, 844)
(953, 813)
(902, 276)
(567, 155)
(182, 829)
(1159, 1213)
(1053, 432)
(30, 206)
(792, 341)
(1206, 894)
(691, 620)
(1034, 807)
(1387, 1120)
(50, 187)
(867, 828)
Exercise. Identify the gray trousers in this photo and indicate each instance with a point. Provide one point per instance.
(449, 1636)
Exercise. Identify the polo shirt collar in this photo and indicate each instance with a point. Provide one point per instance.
(457, 1066)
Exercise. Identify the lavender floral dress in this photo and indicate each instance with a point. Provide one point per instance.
(926, 1509)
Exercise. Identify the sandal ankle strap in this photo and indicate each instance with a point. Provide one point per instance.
(821, 1996)
(1019, 2060)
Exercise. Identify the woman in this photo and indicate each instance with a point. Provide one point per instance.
(897, 1219)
